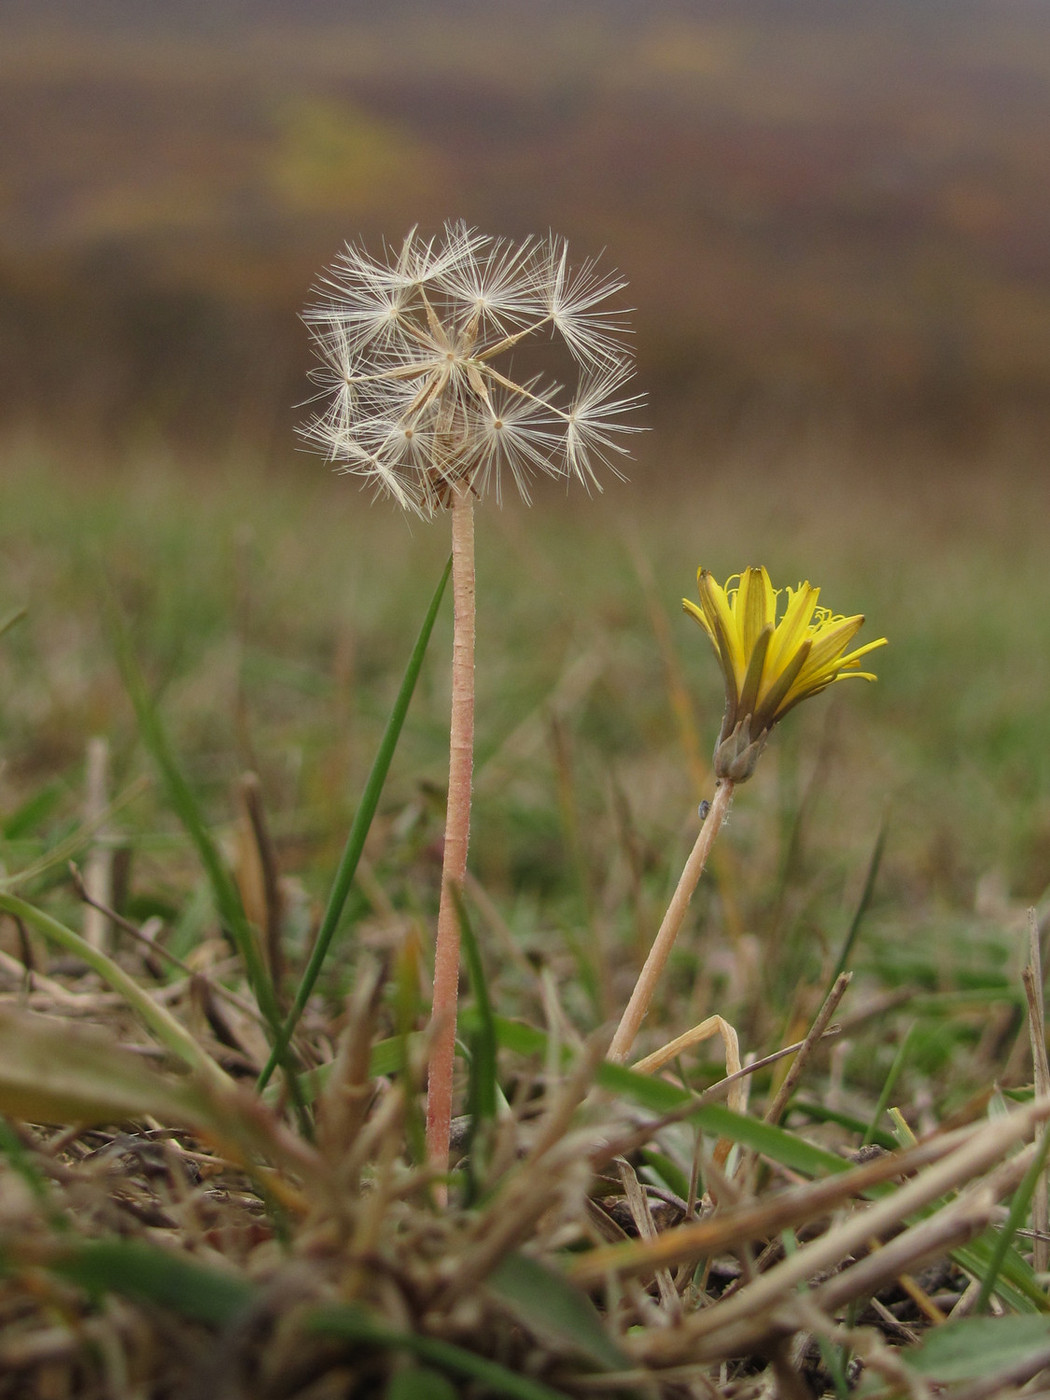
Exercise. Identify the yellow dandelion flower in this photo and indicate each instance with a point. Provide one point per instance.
(770, 663)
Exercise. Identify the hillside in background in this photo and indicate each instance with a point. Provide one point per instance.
(838, 210)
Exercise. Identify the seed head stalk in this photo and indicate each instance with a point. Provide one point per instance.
(415, 404)
(634, 1015)
(457, 834)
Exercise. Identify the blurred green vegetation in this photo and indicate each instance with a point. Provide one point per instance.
(273, 614)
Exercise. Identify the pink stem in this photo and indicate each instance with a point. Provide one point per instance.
(659, 953)
(457, 834)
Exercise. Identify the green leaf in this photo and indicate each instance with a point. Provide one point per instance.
(668, 1171)
(33, 811)
(420, 1383)
(979, 1346)
(777, 1144)
(889, 1084)
(355, 841)
(145, 1273)
(659, 1098)
(821, 1113)
(548, 1304)
(355, 1325)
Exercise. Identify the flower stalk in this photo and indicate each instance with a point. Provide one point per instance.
(772, 656)
(457, 834)
(634, 1014)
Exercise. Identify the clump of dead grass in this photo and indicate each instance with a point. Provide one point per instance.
(221, 1252)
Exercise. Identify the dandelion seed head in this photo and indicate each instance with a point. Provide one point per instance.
(416, 374)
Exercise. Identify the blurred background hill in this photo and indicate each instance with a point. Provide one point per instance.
(828, 212)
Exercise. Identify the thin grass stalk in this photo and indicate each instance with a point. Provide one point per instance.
(642, 995)
(457, 834)
(775, 1111)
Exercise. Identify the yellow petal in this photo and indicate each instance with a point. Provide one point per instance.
(831, 640)
(793, 626)
(854, 656)
(698, 614)
(755, 607)
(716, 608)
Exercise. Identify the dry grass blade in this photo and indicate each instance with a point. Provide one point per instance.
(169, 1032)
(557, 1164)
(343, 1102)
(258, 873)
(958, 1221)
(793, 1208)
(51, 1072)
(1032, 978)
(98, 865)
(746, 1316)
(638, 1204)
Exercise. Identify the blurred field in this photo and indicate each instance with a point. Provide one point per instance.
(274, 613)
(822, 210)
(835, 227)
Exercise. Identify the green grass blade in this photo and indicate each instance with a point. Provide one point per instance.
(181, 796)
(1016, 1283)
(659, 1097)
(483, 1090)
(355, 842)
(32, 812)
(63, 851)
(862, 905)
(888, 1086)
(10, 620)
(820, 1113)
(1022, 1199)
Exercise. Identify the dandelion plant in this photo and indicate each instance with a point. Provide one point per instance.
(423, 400)
(776, 647)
